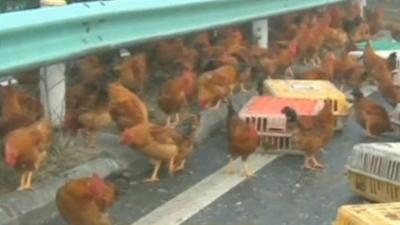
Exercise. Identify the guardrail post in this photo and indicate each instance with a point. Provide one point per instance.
(260, 32)
(363, 4)
(52, 82)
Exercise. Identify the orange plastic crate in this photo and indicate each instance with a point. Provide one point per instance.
(264, 112)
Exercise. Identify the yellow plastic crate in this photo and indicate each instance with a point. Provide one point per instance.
(374, 171)
(369, 214)
(372, 187)
(311, 89)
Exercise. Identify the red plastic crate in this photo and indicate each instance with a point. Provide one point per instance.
(264, 112)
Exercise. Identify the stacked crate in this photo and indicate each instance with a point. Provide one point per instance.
(374, 171)
(264, 112)
(311, 89)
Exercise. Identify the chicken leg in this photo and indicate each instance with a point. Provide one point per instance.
(181, 166)
(29, 180)
(154, 177)
(289, 72)
(171, 166)
(247, 172)
(22, 181)
(242, 88)
(168, 123)
(307, 164)
(171, 123)
(177, 119)
(26, 181)
(317, 164)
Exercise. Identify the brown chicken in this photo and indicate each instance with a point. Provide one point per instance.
(133, 72)
(216, 85)
(349, 72)
(281, 64)
(127, 109)
(169, 52)
(163, 145)
(85, 201)
(325, 72)
(76, 97)
(370, 115)
(374, 64)
(28, 77)
(390, 91)
(172, 95)
(360, 33)
(243, 140)
(375, 19)
(91, 68)
(18, 110)
(191, 84)
(311, 140)
(201, 39)
(284, 27)
(337, 15)
(335, 38)
(185, 138)
(16, 102)
(26, 149)
(311, 40)
(95, 116)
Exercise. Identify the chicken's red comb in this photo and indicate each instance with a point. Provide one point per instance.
(97, 185)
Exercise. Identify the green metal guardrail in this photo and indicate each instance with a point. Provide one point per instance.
(381, 45)
(38, 37)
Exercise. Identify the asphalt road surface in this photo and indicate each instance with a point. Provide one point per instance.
(282, 193)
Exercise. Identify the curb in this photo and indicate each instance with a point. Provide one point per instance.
(21, 208)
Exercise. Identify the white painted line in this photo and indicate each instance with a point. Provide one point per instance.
(190, 202)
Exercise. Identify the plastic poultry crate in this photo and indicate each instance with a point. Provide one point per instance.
(369, 214)
(311, 89)
(374, 171)
(264, 112)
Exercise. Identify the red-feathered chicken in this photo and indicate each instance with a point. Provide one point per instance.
(26, 148)
(243, 140)
(85, 201)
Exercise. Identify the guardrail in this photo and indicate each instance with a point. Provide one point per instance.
(43, 36)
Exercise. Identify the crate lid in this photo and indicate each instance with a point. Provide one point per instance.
(380, 159)
(272, 106)
(308, 89)
(370, 214)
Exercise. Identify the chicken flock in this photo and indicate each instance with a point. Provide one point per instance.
(203, 69)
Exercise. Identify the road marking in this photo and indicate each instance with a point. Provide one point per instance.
(190, 202)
